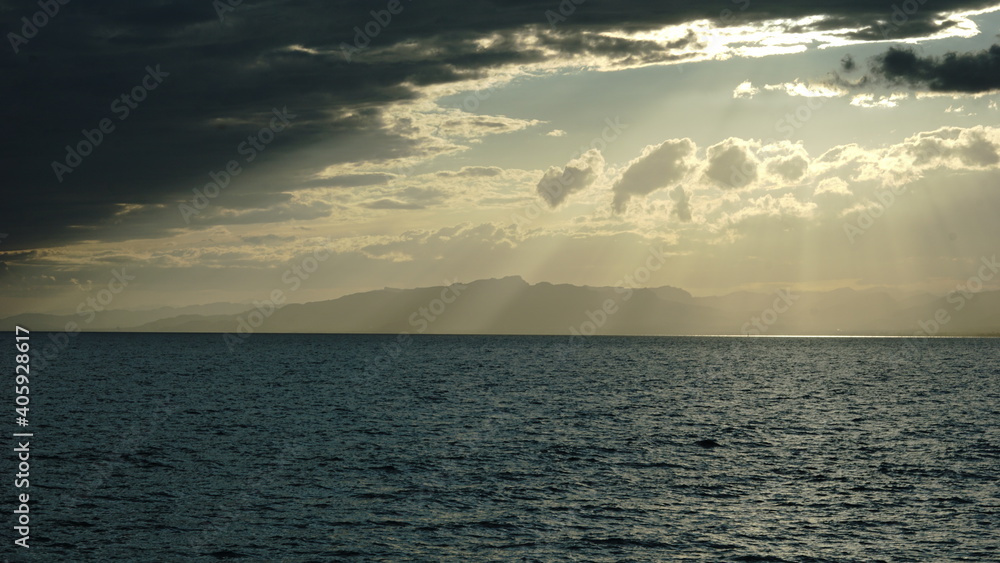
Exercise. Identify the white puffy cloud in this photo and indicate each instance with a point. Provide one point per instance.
(658, 166)
(746, 89)
(954, 148)
(736, 173)
(869, 100)
(832, 186)
(578, 174)
(833, 196)
(975, 149)
(785, 162)
(768, 205)
(796, 88)
(732, 163)
(744, 185)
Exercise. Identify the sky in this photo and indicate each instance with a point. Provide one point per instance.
(216, 151)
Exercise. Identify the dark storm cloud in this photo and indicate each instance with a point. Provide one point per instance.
(914, 27)
(18, 256)
(618, 49)
(220, 80)
(954, 72)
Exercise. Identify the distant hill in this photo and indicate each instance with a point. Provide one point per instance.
(117, 319)
(512, 306)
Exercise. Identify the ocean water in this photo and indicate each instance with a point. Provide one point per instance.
(480, 448)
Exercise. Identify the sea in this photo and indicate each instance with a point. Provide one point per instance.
(316, 448)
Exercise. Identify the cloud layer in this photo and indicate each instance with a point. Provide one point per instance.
(359, 99)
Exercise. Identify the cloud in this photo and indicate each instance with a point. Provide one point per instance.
(291, 211)
(556, 133)
(968, 73)
(682, 205)
(409, 198)
(378, 108)
(771, 206)
(745, 90)
(472, 172)
(266, 239)
(869, 101)
(833, 196)
(468, 126)
(387, 203)
(657, 167)
(796, 88)
(977, 150)
(802, 187)
(834, 186)
(789, 169)
(731, 163)
(578, 174)
(19, 256)
(348, 181)
(435, 130)
(953, 147)
(785, 162)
